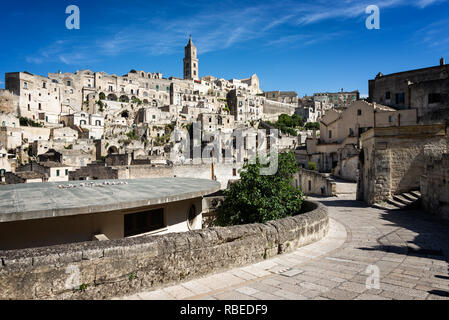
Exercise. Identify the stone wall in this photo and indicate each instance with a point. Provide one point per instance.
(393, 159)
(94, 171)
(100, 270)
(435, 187)
(314, 183)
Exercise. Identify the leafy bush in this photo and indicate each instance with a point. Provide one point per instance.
(102, 96)
(287, 124)
(25, 122)
(312, 166)
(312, 126)
(100, 105)
(132, 135)
(259, 198)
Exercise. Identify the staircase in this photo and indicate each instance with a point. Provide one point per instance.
(400, 202)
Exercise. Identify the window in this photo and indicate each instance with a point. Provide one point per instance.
(66, 172)
(234, 172)
(434, 98)
(157, 87)
(359, 112)
(40, 106)
(25, 85)
(44, 85)
(310, 185)
(351, 132)
(69, 83)
(388, 95)
(192, 216)
(143, 222)
(58, 173)
(330, 134)
(400, 98)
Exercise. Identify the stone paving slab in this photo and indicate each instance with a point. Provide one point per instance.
(336, 267)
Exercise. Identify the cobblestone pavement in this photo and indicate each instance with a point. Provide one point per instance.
(410, 249)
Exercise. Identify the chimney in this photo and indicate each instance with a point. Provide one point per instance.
(442, 62)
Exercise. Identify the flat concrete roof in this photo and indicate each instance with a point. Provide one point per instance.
(58, 199)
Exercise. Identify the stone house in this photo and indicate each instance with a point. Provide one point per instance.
(53, 171)
(393, 159)
(24, 177)
(424, 89)
(282, 96)
(340, 131)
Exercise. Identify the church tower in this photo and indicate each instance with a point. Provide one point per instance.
(191, 62)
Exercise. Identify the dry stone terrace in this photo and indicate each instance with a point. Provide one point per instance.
(410, 248)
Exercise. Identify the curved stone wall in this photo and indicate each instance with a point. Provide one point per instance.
(100, 270)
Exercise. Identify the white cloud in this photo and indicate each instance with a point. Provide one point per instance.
(212, 29)
(434, 36)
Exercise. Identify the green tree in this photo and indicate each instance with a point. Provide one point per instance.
(257, 198)
(102, 96)
(312, 126)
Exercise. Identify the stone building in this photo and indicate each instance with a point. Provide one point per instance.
(424, 89)
(340, 130)
(337, 100)
(94, 171)
(53, 171)
(309, 109)
(191, 62)
(393, 159)
(24, 177)
(435, 187)
(94, 123)
(245, 108)
(9, 102)
(282, 96)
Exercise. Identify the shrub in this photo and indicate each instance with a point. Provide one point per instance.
(312, 126)
(257, 198)
(312, 166)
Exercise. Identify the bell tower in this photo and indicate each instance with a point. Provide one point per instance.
(191, 61)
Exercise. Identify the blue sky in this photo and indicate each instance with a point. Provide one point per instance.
(304, 46)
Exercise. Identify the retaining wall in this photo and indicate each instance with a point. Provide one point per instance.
(100, 270)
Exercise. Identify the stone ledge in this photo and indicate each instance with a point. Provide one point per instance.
(121, 267)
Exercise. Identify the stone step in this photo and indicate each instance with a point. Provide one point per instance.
(417, 194)
(398, 205)
(402, 199)
(410, 196)
(384, 206)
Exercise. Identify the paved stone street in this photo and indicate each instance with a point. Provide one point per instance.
(410, 249)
